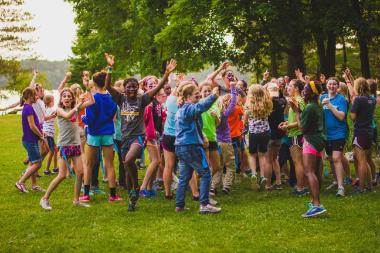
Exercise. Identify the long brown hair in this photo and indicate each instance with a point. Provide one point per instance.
(26, 94)
(60, 104)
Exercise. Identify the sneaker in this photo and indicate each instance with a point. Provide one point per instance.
(181, 209)
(96, 190)
(55, 171)
(85, 198)
(357, 190)
(91, 192)
(44, 203)
(195, 198)
(21, 187)
(226, 190)
(212, 202)
(38, 188)
(115, 198)
(340, 192)
(261, 182)
(302, 192)
(133, 197)
(334, 184)
(152, 193)
(314, 211)
(38, 175)
(47, 172)
(209, 209)
(347, 180)
(212, 192)
(277, 187)
(145, 193)
(80, 204)
(355, 182)
(173, 186)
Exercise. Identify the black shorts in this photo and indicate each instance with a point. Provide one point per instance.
(259, 142)
(296, 141)
(363, 141)
(212, 146)
(168, 143)
(126, 144)
(334, 145)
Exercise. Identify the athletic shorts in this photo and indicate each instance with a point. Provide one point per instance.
(126, 143)
(33, 151)
(307, 148)
(362, 141)
(168, 143)
(258, 142)
(70, 151)
(51, 143)
(212, 146)
(335, 145)
(296, 141)
(99, 140)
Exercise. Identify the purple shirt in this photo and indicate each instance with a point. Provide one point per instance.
(28, 134)
(223, 132)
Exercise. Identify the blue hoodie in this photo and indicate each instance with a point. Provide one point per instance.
(188, 125)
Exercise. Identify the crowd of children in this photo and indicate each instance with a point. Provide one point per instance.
(200, 132)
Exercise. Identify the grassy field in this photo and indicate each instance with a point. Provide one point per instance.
(249, 222)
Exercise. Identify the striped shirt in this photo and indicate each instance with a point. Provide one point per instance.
(48, 126)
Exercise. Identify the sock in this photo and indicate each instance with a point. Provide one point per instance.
(113, 192)
(86, 190)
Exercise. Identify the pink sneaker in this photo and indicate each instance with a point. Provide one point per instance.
(116, 198)
(21, 187)
(85, 198)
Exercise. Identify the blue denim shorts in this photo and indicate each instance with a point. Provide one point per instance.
(34, 155)
(99, 140)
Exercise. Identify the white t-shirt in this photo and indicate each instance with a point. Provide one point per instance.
(48, 126)
(39, 108)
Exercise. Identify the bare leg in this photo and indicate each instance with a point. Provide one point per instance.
(311, 163)
(168, 171)
(296, 153)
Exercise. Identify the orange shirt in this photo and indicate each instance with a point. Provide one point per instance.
(235, 121)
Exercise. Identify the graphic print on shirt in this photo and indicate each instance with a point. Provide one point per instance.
(130, 112)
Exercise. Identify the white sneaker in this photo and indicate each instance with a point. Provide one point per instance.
(212, 202)
(44, 203)
(332, 185)
(80, 204)
(340, 192)
(174, 184)
(209, 209)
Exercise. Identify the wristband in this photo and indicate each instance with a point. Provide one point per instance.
(109, 70)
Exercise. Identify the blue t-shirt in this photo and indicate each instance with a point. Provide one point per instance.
(335, 129)
(100, 116)
(172, 108)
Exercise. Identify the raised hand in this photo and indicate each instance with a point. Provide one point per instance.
(266, 75)
(170, 66)
(215, 91)
(225, 65)
(110, 59)
(68, 76)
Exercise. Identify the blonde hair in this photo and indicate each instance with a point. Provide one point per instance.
(361, 87)
(185, 90)
(344, 90)
(224, 102)
(259, 102)
(48, 99)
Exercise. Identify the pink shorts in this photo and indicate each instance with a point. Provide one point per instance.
(309, 149)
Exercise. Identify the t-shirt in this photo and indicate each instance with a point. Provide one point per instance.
(27, 133)
(171, 110)
(209, 123)
(132, 113)
(68, 133)
(276, 117)
(292, 118)
(364, 108)
(312, 125)
(335, 129)
(48, 125)
(100, 115)
(39, 108)
(235, 119)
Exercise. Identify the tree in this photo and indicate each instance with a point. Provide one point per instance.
(13, 27)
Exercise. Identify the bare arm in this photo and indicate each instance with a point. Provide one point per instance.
(62, 85)
(67, 115)
(33, 81)
(116, 95)
(33, 126)
(11, 106)
(213, 75)
(169, 68)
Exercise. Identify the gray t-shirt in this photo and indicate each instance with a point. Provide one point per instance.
(132, 113)
(68, 133)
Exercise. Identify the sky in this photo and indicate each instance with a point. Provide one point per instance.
(55, 28)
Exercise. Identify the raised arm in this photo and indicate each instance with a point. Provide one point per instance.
(67, 115)
(197, 109)
(170, 66)
(62, 85)
(86, 102)
(33, 81)
(214, 74)
(116, 95)
(232, 104)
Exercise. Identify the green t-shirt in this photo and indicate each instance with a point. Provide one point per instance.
(209, 124)
(312, 125)
(292, 117)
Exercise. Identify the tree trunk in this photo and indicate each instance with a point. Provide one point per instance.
(330, 53)
(344, 53)
(364, 58)
(295, 57)
(273, 62)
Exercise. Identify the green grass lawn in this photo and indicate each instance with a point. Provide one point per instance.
(249, 222)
